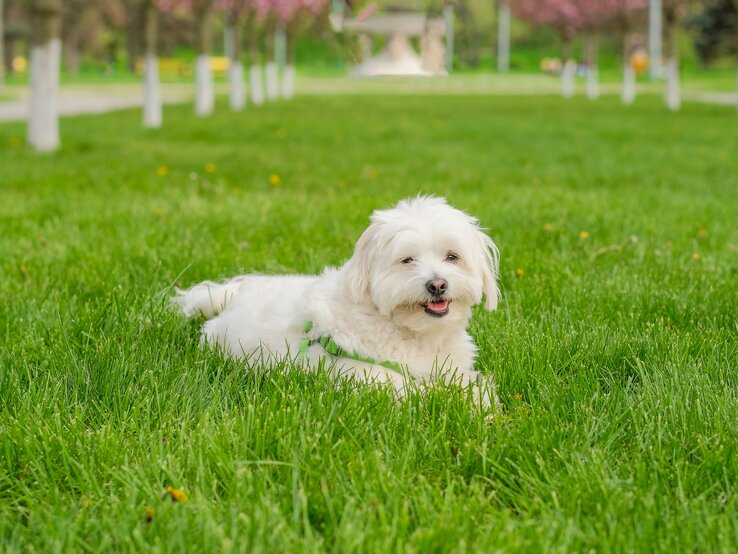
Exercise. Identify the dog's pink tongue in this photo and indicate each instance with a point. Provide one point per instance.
(438, 306)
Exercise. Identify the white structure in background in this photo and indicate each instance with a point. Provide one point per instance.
(654, 38)
(288, 82)
(503, 36)
(673, 97)
(43, 119)
(152, 93)
(256, 84)
(567, 78)
(231, 43)
(237, 85)
(43, 124)
(592, 87)
(628, 92)
(272, 80)
(399, 57)
(205, 94)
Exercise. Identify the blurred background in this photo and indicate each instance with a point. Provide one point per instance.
(334, 46)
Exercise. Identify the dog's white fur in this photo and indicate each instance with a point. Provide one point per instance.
(373, 306)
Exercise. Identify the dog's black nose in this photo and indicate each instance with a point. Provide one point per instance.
(436, 286)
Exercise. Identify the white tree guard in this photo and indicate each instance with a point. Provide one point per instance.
(256, 84)
(205, 95)
(288, 82)
(567, 78)
(628, 92)
(43, 120)
(673, 94)
(152, 93)
(503, 36)
(272, 81)
(593, 82)
(238, 89)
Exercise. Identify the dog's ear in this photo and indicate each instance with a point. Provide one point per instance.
(358, 268)
(490, 265)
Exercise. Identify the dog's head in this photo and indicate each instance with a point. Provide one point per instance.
(424, 263)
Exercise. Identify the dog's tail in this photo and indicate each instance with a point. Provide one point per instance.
(207, 298)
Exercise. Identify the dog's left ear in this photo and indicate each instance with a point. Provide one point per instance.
(490, 266)
(358, 268)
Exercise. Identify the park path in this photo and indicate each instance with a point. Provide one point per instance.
(100, 98)
(91, 99)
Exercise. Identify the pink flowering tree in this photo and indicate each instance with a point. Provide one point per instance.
(566, 18)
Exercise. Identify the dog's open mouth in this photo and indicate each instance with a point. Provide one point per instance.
(437, 308)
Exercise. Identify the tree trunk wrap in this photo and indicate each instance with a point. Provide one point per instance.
(593, 88)
(43, 120)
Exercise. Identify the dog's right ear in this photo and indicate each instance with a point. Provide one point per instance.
(358, 268)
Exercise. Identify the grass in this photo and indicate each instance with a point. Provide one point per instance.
(614, 348)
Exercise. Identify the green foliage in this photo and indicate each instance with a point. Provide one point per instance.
(614, 348)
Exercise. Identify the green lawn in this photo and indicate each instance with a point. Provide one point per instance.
(614, 348)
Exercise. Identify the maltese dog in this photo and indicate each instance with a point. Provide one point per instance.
(396, 312)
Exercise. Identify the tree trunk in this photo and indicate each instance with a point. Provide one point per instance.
(503, 36)
(672, 94)
(205, 94)
(270, 70)
(654, 38)
(567, 69)
(593, 85)
(134, 11)
(628, 94)
(2, 45)
(152, 115)
(72, 55)
(256, 79)
(288, 73)
(43, 122)
(235, 67)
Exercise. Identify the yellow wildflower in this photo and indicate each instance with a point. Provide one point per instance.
(275, 179)
(176, 495)
(518, 396)
(696, 256)
(584, 235)
(210, 167)
(548, 227)
(162, 170)
(149, 512)
(519, 272)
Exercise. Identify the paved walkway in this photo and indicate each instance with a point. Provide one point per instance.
(91, 99)
(99, 98)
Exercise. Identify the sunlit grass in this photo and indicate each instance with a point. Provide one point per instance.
(614, 347)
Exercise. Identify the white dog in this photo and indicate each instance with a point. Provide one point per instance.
(396, 312)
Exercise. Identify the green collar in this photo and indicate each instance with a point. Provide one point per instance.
(330, 346)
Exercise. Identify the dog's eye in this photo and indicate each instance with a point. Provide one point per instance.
(451, 257)
(407, 260)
